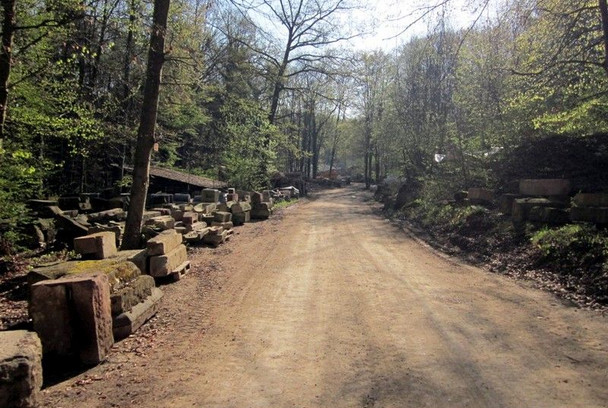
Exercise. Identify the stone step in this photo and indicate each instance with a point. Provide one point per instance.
(127, 323)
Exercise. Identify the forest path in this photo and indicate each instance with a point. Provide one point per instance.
(329, 305)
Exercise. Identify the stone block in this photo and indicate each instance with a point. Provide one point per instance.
(261, 211)
(215, 239)
(181, 198)
(186, 207)
(591, 200)
(119, 270)
(137, 291)
(596, 215)
(479, 195)
(222, 216)
(225, 225)
(100, 245)
(206, 218)
(69, 203)
(163, 265)
(181, 229)
(257, 198)
(241, 218)
(177, 214)
(164, 242)
(231, 190)
(266, 196)
(164, 222)
(232, 197)
(73, 317)
(545, 187)
(210, 195)
(20, 369)
(159, 199)
(162, 211)
(240, 207)
(205, 208)
(115, 228)
(190, 218)
(148, 215)
(104, 217)
(522, 206)
(505, 203)
(128, 322)
(226, 206)
(244, 195)
(549, 215)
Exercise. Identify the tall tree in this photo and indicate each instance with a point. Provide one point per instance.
(145, 134)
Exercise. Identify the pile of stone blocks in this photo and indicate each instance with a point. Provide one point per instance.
(217, 235)
(167, 255)
(261, 205)
(241, 212)
(79, 307)
(20, 369)
(540, 200)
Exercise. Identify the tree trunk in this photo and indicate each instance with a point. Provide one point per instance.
(604, 13)
(6, 53)
(145, 134)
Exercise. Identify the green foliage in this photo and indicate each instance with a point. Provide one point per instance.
(572, 247)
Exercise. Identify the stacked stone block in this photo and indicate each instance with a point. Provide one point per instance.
(168, 255)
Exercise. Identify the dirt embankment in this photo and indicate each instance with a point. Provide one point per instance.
(330, 305)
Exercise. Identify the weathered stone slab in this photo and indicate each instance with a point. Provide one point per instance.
(128, 322)
(20, 369)
(162, 211)
(241, 218)
(181, 229)
(226, 206)
(196, 236)
(148, 215)
(505, 203)
(244, 195)
(73, 316)
(177, 214)
(190, 218)
(137, 291)
(100, 245)
(232, 197)
(261, 211)
(256, 198)
(545, 187)
(210, 195)
(163, 265)
(215, 239)
(119, 270)
(116, 229)
(181, 198)
(591, 200)
(205, 208)
(266, 196)
(164, 222)
(222, 216)
(164, 242)
(479, 195)
(596, 215)
(206, 218)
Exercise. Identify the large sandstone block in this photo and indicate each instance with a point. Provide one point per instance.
(128, 322)
(522, 206)
(114, 228)
(190, 218)
(205, 208)
(100, 245)
(164, 222)
(505, 203)
(105, 217)
(240, 207)
(226, 206)
(223, 216)
(73, 317)
(591, 200)
(210, 195)
(164, 242)
(163, 265)
(549, 215)
(20, 369)
(256, 197)
(177, 214)
(545, 187)
(119, 270)
(181, 198)
(244, 195)
(232, 197)
(124, 299)
(596, 215)
(224, 225)
(241, 218)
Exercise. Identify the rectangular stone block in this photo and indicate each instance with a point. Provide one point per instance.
(73, 317)
(591, 200)
(244, 195)
(241, 218)
(210, 195)
(164, 242)
(138, 290)
(190, 218)
(181, 198)
(224, 225)
(226, 206)
(222, 216)
(128, 322)
(215, 239)
(164, 222)
(545, 187)
(100, 245)
(232, 197)
(162, 211)
(256, 197)
(240, 207)
(163, 265)
(266, 196)
(148, 215)
(206, 218)
(20, 369)
(177, 214)
(505, 203)
(549, 215)
(522, 206)
(115, 228)
(596, 215)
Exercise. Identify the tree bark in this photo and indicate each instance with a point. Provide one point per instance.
(604, 13)
(145, 134)
(6, 53)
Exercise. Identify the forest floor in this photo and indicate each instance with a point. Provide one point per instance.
(328, 304)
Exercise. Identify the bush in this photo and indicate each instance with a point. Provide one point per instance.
(572, 247)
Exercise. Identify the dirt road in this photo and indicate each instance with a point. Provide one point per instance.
(331, 306)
